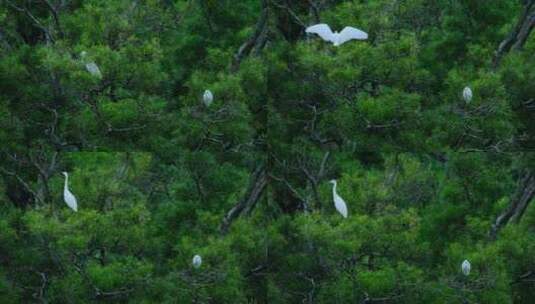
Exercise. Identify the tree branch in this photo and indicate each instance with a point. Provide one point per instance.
(22, 182)
(36, 21)
(519, 203)
(256, 41)
(257, 185)
(518, 36)
(55, 14)
(292, 190)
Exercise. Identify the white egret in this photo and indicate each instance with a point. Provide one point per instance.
(339, 202)
(207, 98)
(197, 261)
(91, 67)
(69, 198)
(325, 32)
(465, 267)
(467, 94)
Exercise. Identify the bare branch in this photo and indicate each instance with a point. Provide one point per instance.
(257, 185)
(519, 35)
(315, 10)
(22, 182)
(55, 14)
(519, 202)
(36, 21)
(290, 11)
(292, 189)
(256, 40)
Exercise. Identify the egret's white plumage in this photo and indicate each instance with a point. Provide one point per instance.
(69, 198)
(465, 267)
(467, 94)
(91, 67)
(207, 98)
(197, 261)
(322, 30)
(339, 202)
(325, 32)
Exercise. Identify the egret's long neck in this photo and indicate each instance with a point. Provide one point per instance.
(334, 187)
(66, 180)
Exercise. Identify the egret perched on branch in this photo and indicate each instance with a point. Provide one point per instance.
(339, 202)
(207, 98)
(91, 67)
(197, 261)
(465, 267)
(467, 94)
(69, 198)
(325, 32)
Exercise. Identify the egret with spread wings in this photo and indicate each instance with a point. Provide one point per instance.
(348, 33)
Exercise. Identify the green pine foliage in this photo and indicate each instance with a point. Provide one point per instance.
(156, 172)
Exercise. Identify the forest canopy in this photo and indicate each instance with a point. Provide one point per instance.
(213, 129)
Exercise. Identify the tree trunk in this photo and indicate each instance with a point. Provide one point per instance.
(256, 41)
(257, 185)
(519, 203)
(516, 39)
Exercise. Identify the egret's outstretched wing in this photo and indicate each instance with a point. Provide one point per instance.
(323, 30)
(349, 33)
(340, 205)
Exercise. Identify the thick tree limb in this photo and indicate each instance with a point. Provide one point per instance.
(526, 277)
(4, 41)
(314, 179)
(294, 191)
(36, 22)
(55, 14)
(518, 36)
(287, 8)
(315, 11)
(256, 41)
(23, 183)
(98, 293)
(257, 185)
(519, 202)
(44, 164)
(389, 299)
